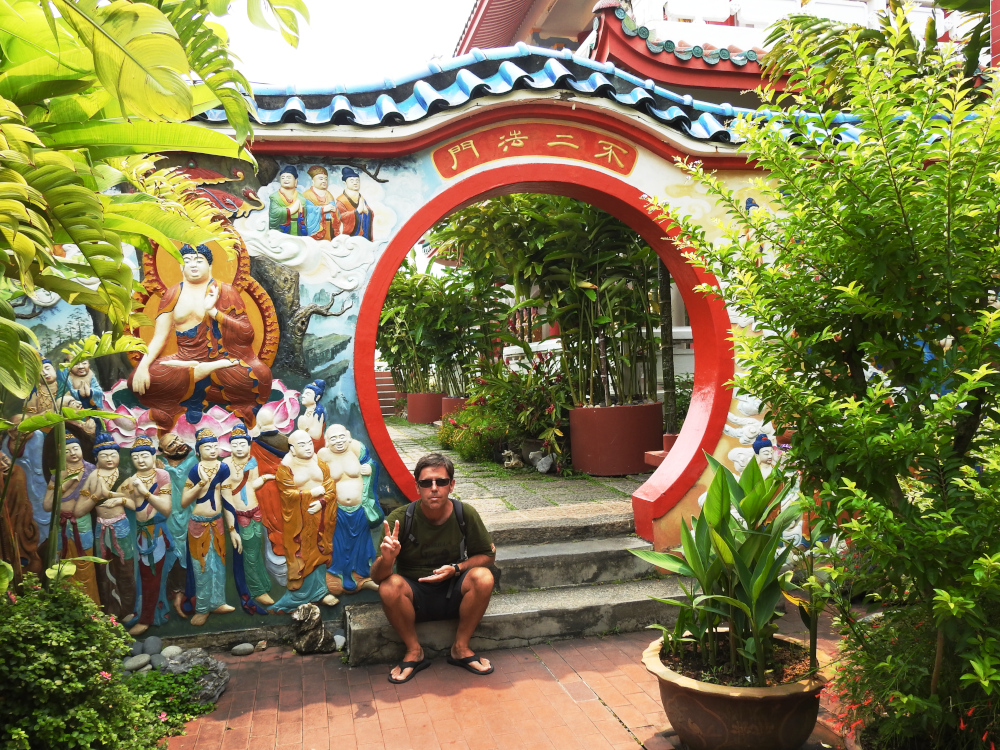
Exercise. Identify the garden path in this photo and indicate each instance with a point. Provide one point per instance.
(590, 693)
(497, 492)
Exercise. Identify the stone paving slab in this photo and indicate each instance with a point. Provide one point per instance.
(493, 490)
(590, 693)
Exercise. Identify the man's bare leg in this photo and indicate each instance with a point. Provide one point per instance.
(476, 591)
(397, 601)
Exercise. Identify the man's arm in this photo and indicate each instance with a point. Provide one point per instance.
(448, 571)
(388, 552)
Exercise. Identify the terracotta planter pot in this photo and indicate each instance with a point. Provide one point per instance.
(716, 717)
(423, 408)
(669, 439)
(612, 440)
(449, 405)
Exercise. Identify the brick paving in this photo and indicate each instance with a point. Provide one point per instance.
(588, 693)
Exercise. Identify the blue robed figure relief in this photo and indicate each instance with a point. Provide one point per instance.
(357, 509)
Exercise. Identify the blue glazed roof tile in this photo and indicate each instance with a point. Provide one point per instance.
(482, 74)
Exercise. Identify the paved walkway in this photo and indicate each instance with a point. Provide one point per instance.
(588, 693)
(494, 490)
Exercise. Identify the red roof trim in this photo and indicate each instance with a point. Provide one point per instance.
(632, 54)
(492, 23)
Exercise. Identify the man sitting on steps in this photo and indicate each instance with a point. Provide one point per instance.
(442, 557)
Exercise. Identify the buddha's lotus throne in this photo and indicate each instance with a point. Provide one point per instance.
(215, 362)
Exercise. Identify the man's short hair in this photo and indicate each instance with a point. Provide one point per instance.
(434, 460)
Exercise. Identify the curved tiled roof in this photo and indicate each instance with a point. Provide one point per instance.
(710, 55)
(483, 74)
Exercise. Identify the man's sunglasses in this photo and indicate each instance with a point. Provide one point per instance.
(425, 483)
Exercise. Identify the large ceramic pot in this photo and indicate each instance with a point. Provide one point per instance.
(716, 717)
(449, 405)
(423, 408)
(610, 441)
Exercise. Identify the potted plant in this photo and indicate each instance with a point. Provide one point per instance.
(411, 310)
(728, 681)
(597, 280)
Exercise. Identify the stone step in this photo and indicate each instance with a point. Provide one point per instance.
(523, 619)
(557, 564)
(563, 523)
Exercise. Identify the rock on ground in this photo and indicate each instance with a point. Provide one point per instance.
(545, 464)
(311, 637)
(136, 648)
(152, 645)
(172, 652)
(157, 660)
(134, 663)
(242, 649)
(212, 683)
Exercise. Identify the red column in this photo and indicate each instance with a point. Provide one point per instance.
(995, 33)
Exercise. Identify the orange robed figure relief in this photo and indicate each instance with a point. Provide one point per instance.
(309, 511)
(215, 361)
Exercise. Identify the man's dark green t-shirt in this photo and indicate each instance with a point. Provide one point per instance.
(437, 545)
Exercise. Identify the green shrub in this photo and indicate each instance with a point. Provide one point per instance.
(169, 697)
(61, 684)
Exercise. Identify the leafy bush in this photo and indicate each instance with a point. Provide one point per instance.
(169, 697)
(60, 675)
(870, 270)
(477, 432)
(531, 398)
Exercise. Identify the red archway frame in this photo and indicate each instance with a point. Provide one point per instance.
(710, 324)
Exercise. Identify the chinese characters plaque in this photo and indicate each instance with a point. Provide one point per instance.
(534, 139)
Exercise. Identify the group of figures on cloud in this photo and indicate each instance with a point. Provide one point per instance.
(316, 212)
(294, 511)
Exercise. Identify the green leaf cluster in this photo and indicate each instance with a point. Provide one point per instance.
(871, 275)
(61, 684)
(582, 269)
(734, 553)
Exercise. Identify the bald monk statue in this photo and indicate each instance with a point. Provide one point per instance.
(308, 502)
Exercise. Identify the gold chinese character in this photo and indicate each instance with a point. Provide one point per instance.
(609, 152)
(562, 143)
(456, 150)
(515, 139)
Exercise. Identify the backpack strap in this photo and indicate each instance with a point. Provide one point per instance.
(408, 522)
(456, 506)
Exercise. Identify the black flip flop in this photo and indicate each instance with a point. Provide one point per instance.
(466, 663)
(415, 666)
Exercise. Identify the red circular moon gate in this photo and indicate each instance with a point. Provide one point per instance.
(614, 193)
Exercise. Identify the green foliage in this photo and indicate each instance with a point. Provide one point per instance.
(734, 553)
(823, 38)
(684, 389)
(533, 398)
(60, 675)
(891, 661)
(477, 432)
(871, 272)
(170, 697)
(583, 269)
(435, 327)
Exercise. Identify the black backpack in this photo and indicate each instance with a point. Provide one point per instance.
(457, 509)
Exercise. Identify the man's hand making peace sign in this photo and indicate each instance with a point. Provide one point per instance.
(389, 549)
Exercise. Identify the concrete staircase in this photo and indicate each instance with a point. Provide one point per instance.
(387, 394)
(561, 577)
